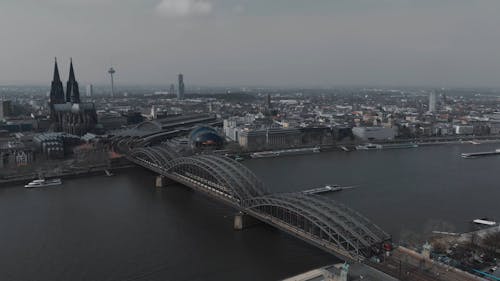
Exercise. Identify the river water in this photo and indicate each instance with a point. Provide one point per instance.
(122, 228)
(401, 190)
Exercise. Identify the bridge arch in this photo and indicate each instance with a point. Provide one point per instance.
(237, 181)
(220, 173)
(309, 214)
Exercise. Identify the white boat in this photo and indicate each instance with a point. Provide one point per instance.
(284, 152)
(484, 222)
(43, 183)
(265, 154)
(326, 188)
(399, 145)
(369, 146)
(344, 148)
(108, 173)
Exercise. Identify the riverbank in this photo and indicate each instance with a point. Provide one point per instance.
(74, 173)
(409, 265)
(351, 146)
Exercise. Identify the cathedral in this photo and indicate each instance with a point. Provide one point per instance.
(67, 113)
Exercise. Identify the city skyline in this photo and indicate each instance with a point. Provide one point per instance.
(266, 155)
(219, 42)
(250, 140)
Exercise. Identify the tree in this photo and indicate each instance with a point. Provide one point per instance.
(492, 241)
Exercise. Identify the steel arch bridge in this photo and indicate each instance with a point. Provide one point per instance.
(218, 176)
(157, 155)
(315, 219)
(322, 221)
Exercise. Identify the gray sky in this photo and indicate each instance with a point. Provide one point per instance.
(254, 42)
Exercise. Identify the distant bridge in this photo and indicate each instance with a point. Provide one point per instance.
(318, 220)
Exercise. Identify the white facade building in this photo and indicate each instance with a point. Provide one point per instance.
(374, 133)
(463, 129)
(232, 125)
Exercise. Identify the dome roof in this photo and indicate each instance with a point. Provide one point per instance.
(205, 136)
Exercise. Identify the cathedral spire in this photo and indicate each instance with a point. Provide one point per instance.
(56, 88)
(72, 92)
(56, 72)
(71, 71)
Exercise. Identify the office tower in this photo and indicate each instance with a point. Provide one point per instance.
(5, 108)
(180, 91)
(172, 89)
(154, 112)
(111, 72)
(432, 102)
(90, 90)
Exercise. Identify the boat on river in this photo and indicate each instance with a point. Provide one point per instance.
(284, 152)
(43, 183)
(326, 188)
(399, 145)
(480, 154)
(369, 146)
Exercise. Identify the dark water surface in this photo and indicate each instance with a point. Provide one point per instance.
(122, 228)
(400, 189)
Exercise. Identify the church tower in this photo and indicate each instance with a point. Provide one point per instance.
(67, 113)
(72, 92)
(56, 89)
(56, 92)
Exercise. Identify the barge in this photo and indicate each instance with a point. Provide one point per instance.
(480, 154)
(293, 151)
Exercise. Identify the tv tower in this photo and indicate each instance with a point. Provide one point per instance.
(112, 71)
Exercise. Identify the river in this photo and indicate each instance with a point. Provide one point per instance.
(122, 228)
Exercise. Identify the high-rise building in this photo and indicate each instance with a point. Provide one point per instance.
(154, 112)
(90, 90)
(432, 102)
(172, 89)
(180, 91)
(5, 108)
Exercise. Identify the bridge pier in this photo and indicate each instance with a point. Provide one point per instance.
(242, 221)
(162, 181)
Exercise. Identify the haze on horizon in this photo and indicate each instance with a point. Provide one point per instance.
(445, 43)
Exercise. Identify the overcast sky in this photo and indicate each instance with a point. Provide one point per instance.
(254, 42)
